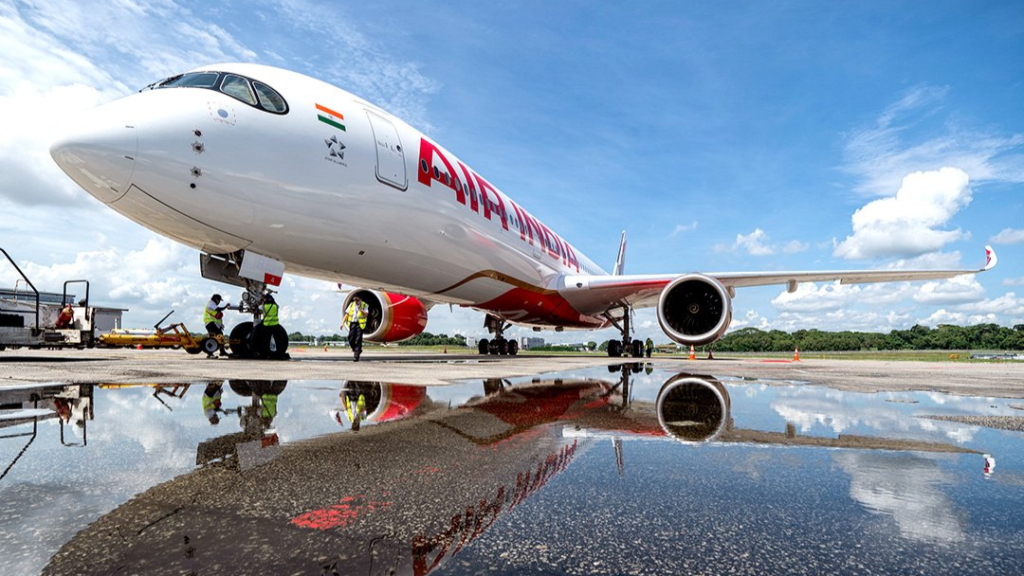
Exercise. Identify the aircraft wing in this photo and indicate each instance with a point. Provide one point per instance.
(596, 294)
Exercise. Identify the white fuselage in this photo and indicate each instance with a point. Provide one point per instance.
(335, 188)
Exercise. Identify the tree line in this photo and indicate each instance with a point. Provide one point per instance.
(943, 337)
(424, 339)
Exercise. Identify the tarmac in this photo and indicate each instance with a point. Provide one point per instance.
(995, 379)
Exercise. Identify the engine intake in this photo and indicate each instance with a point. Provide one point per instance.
(695, 309)
(391, 317)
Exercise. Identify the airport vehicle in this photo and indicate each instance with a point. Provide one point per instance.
(36, 324)
(264, 170)
(175, 336)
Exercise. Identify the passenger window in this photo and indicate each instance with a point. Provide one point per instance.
(238, 87)
(270, 100)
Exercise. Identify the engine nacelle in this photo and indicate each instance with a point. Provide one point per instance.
(693, 409)
(391, 317)
(695, 309)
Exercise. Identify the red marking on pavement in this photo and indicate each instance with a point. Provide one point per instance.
(338, 515)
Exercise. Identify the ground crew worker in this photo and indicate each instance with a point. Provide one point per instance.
(67, 316)
(355, 318)
(270, 310)
(213, 315)
(650, 347)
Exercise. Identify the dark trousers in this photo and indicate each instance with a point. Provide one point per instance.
(355, 338)
(214, 329)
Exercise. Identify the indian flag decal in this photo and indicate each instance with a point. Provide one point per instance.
(328, 116)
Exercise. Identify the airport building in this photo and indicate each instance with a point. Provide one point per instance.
(528, 342)
(107, 318)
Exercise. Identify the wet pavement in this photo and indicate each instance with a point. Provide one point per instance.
(619, 470)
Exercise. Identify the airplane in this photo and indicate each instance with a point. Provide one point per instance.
(264, 170)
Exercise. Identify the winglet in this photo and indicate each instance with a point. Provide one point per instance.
(620, 260)
(991, 259)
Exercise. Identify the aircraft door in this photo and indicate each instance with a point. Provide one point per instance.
(390, 156)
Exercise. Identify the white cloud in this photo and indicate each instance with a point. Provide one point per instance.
(881, 159)
(960, 289)
(757, 244)
(811, 297)
(908, 223)
(795, 246)
(680, 228)
(1005, 306)
(1008, 236)
(1013, 281)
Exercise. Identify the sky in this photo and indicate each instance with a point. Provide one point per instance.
(721, 136)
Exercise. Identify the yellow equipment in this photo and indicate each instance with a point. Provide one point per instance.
(174, 336)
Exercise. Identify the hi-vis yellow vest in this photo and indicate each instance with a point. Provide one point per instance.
(270, 315)
(211, 316)
(357, 312)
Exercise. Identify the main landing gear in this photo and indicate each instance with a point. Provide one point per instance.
(498, 346)
(625, 347)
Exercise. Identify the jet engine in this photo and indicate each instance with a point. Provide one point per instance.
(391, 317)
(695, 309)
(693, 409)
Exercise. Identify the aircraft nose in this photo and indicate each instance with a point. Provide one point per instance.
(98, 151)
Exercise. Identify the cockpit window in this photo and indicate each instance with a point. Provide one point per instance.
(270, 100)
(256, 94)
(238, 87)
(194, 80)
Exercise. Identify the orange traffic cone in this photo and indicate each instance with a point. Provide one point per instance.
(693, 353)
(139, 347)
(325, 347)
(796, 354)
(445, 349)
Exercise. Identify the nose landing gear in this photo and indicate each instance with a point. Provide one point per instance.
(254, 339)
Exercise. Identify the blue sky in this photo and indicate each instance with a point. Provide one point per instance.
(721, 136)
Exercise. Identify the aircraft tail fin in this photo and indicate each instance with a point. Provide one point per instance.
(620, 260)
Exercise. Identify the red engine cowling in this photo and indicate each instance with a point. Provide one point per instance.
(391, 317)
(695, 309)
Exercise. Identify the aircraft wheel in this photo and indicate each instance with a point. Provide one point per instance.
(270, 342)
(492, 347)
(209, 345)
(638, 349)
(513, 347)
(614, 349)
(483, 346)
(502, 347)
(240, 340)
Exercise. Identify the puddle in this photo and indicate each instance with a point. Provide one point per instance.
(626, 470)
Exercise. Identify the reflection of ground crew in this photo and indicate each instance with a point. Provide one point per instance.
(650, 347)
(355, 318)
(356, 410)
(211, 402)
(67, 316)
(268, 408)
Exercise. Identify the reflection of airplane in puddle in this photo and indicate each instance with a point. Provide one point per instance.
(399, 498)
(21, 406)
